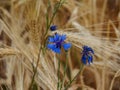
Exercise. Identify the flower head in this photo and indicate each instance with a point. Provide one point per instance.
(56, 42)
(53, 27)
(87, 55)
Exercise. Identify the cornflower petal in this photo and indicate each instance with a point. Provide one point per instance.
(63, 37)
(56, 42)
(66, 46)
(90, 59)
(51, 39)
(57, 50)
(51, 46)
(87, 54)
(56, 37)
(53, 27)
(84, 59)
(91, 50)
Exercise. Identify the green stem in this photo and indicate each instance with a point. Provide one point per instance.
(65, 68)
(51, 20)
(81, 67)
(35, 69)
(58, 72)
(47, 18)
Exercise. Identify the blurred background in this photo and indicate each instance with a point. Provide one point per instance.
(95, 23)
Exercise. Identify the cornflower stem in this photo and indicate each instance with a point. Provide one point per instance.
(58, 73)
(70, 82)
(65, 68)
(51, 20)
(47, 18)
(35, 69)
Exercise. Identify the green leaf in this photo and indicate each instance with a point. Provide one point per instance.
(35, 86)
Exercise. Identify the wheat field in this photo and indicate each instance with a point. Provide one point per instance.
(95, 23)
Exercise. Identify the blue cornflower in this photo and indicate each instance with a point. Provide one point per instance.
(87, 55)
(53, 27)
(56, 42)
